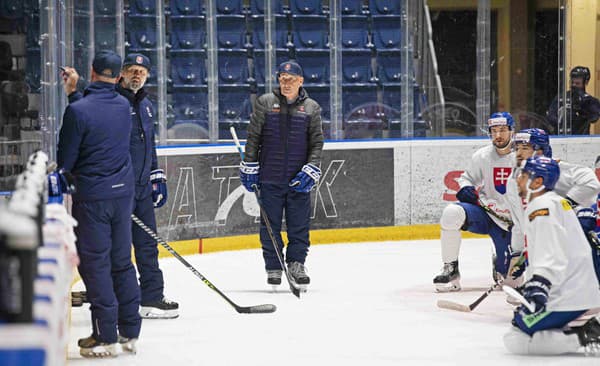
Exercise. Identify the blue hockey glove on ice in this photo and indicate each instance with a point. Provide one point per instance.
(159, 187)
(57, 186)
(536, 292)
(468, 194)
(587, 219)
(306, 178)
(249, 173)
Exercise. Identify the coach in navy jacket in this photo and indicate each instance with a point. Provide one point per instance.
(94, 147)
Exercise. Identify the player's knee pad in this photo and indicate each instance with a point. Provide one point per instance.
(516, 341)
(453, 217)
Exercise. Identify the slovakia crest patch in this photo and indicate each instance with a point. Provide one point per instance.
(501, 176)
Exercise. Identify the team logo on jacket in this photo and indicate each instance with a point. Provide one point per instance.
(276, 107)
(501, 176)
(301, 108)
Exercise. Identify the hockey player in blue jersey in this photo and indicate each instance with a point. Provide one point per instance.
(93, 147)
(150, 182)
(561, 285)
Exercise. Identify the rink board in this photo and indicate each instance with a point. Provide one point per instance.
(365, 184)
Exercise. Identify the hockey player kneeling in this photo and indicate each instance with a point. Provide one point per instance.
(560, 280)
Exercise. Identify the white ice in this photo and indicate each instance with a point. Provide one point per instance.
(367, 304)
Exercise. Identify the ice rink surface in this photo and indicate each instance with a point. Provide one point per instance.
(368, 304)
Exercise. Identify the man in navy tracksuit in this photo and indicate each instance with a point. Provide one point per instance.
(283, 151)
(150, 184)
(94, 147)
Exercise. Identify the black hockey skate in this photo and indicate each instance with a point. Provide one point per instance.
(274, 277)
(298, 273)
(449, 279)
(589, 336)
(161, 309)
(91, 348)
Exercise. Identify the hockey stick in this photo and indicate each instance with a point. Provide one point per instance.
(293, 285)
(501, 218)
(265, 308)
(514, 293)
(451, 305)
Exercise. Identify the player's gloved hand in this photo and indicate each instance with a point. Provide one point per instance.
(306, 178)
(587, 219)
(57, 186)
(518, 263)
(249, 174)
(536, 292)
(468, 194)
(159, 187)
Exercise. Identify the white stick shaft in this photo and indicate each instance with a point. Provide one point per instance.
(236, 140)
(514, 293)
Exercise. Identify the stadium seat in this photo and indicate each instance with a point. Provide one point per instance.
(105, 7)
(389, 68)
(11, 9)
(354, 31)
(33, 68)
(33, 30)
(385, 7)
(142, 7)
(259, 65)
(258, 7)
(310, 32)
(387, 32)
(281, 32)
(187, 7)
(315, 65)
(188, 32)
(234, 104)
(358, 101)
(233, 68)
(352, 7)
(306, 7)
(229, 7)
(231, 31)
(188, 68)
(188, 130)
(322, 96)
(105, 36)
(190, 103)
(356, 67)
(141, 31)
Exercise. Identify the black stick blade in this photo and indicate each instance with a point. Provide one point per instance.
(257, 309)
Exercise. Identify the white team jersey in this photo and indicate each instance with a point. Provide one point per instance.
(575, 181)
(491, 172)
(557, 249)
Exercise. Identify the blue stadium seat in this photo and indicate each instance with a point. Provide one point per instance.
(358, 102)
(81, 36)
(188, 68)
(105, 7)
(281, 32)
(306, 7)
(356, 67)
(322, 96)
(259, 65)
(389, 70)
(392, 97)
(233, 68)
(33, 30)
(81, 60)
(387, 31)
(190, 103)
(352, 7)
(229, 7)
(315, 65)
(234, 104)
(354, 31)
(231, 31)
(141, 31)
(11, 8)
(105, 36)
(310, 32)
(188, 32)
(142, 7)
(187, 7)
(258, 7)
(33, 69)
(385, 7)
(188, 130)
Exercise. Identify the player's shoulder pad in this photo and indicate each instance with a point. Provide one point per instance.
(539, 212)
(565, 205)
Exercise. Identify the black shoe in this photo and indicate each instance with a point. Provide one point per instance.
(92, 348)
(449, 279)
(161, 309)
(298, 273)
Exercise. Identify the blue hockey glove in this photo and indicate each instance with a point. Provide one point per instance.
(249, 173)
(57, 186)
(536, 292)
(306, 178)
(159, 187)
(468, 194)
(587, 219)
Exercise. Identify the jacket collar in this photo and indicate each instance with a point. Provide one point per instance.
(128, 93)
(98, 86)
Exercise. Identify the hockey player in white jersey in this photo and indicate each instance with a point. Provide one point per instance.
(490, 169)
(560, 280)
(577, 183)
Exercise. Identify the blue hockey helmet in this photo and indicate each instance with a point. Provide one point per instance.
(501, 119)
(537, 138)
(545, 167)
